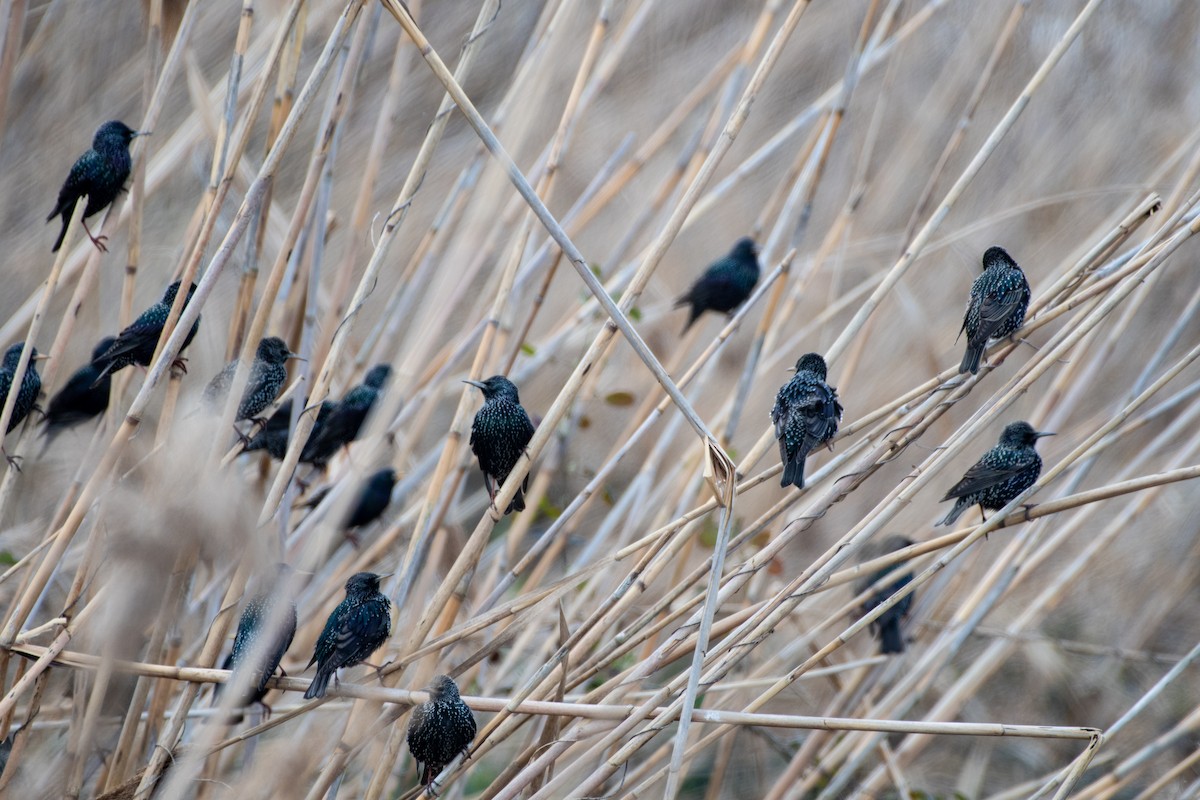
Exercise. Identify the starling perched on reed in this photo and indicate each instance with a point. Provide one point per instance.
(100, 173)
(806, 416)
(374, 499)
(83, 397)
(887, 627)
(274, 436)
(135, 344)
(255, 616)
(268, 374)
(355, 629)
(28, 389)
(999, 299)
(726, 283)
(440, 728)
(1004, 472)
(346, 421)
(499, 435)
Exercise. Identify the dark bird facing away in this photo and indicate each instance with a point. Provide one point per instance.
(100, 174)
(268, 374)
(346, 421)
(255, 617)
(440, 728)
(1004, 472)
(83, 397)
(274, 436)
(806, 416)
(726, 283)
(355, 630)
(999, 299)
(499, 435)
(373, 499)
(887, 627)
(135, 344)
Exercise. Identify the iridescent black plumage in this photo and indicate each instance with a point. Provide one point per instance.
(374, 498)
(355, 629)
(1004, 472)
(440, 728)
(274, 436)
(726, 283)
(999, 299)
(30, 387)
(887, 627)
(346, 422)
(806, 416)
(100, 173)
(83, 397)
(499, 435)
(268, 374)
(135, 344)
(257, 614)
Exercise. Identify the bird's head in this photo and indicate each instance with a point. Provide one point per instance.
(113, 132)
(378, 376)
(498, 387)
(1021, 434)
(386, 476)
(173, 291)
(274, 350)
(745, 249)
(814, 363)
(997, 257)
(442, 688)
(13, 354)
(363, 583)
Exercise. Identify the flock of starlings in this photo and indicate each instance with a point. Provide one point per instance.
(805, 416)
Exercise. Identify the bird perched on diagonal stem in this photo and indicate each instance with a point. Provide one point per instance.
(136, 344)
(257, 614)
(1004, 472)
(268, 374)
(355, 629)
(29, 386)
(725, 284)
(100, 175)
(888, 626)
(806, 416)
(440, 728)
(499, 435)
(999, 300)
(83, 397)
(346, 420)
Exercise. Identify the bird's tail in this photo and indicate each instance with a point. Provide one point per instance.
(518, 501)
(971, 358)
(890, 638)
(960, 506)
(61, 234)
(793, 471)
(317, 687)
(105, 371)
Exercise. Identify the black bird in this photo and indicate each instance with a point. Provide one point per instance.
(726, 283)
(268, 374)
(999, 299)
(499, 435)
(806, 416)
(355, 629)
(83, 397)
(346, 421)
(274, 436)
(1004, 472)
(372, 501)
(135, 344)
(440, 728)
(887, 627)
(100, 173)
(255, 616)
(27, 392)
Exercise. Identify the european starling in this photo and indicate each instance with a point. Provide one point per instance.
(83, 397)
(268, 374)
(27, 393)
(355, 629)
(258, 612)
(374, 498)
(274, 436)
(1004, 472)
(100, 173)
(999, 299)
(346, 421)
(887, 627)
(726, 283)
(135, 344)
(499, 435)
(806, 416)
(440, 728)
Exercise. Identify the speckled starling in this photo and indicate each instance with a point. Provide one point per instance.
(440, 728)
(999, 299)
(346, 422)
(1004, 472)
(268, 374)
(83, 397)
(274, 436)
(726, 283)
(255, 615)
(806, 416)
(135, 344)
(887, 627)
(355, 630)
(100, 173)
(27, 393)
(499, 435)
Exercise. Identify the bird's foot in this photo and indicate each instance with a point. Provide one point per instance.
(99, 242)
(180, 364)
(266, 710)
(13, 461)
(353, 539)
(243, 438)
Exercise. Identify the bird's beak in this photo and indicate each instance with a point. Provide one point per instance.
(791, 369)
(40, 357)
(295, 357)
(1040, 434)
(142, 133)
(477, 384)
(386, 575)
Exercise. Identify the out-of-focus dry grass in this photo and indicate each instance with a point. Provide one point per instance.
(1016, 629)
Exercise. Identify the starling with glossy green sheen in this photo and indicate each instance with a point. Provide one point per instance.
(887, 627)
(346, 422)
(251, 625)
(806, 416)
(999, 299)
(82, 398)
(100, 175)
(499, 435)
(726, 283)
(135, 344)
(268, 374)
(355, 630)
(440, 728)
(1008, 469)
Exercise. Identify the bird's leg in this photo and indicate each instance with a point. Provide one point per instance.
(243, 438)
(180, 363)
(13, 461)
(352, 538)
(96, 240)
(266, 710)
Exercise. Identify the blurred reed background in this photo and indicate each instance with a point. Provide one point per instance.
(301, 173)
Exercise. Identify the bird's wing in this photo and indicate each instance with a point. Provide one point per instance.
(364, 623)
(143, 331)
(821, 412)
(985, 474)
(996, 309)
(715, 284)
